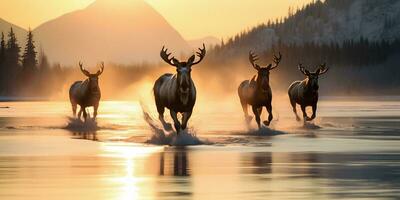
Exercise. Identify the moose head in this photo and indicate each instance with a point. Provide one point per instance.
(312, 77)
(183, 68)
(263, 72)
(93, 78)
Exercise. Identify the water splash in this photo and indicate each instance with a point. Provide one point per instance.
(163, 137)
(77, 125)
(265, 131)
(311, 126)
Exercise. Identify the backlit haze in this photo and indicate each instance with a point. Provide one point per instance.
(192, 19)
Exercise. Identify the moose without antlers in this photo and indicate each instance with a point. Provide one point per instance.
(86, 93)
(257, 91)
(305, 93)
(177, 91)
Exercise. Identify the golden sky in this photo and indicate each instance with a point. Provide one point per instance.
(192, 18)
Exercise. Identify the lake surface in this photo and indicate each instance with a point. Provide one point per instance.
(351, 151)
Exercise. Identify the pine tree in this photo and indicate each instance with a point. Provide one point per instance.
(3, 74)
(29, 61)
(44, 62)
(45, 77)
(2, 49)
(12, 50)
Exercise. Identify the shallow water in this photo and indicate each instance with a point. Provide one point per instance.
(351, 151)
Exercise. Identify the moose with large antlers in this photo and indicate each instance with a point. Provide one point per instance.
(305, 93)
(86, 93)
(177, 92)
(257, 91)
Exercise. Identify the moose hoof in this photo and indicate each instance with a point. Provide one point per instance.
(178, 130)
(266, 123)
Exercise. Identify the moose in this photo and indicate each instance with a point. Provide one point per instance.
(305, 93)
(177, 92)
(86, 93)
(257, 91)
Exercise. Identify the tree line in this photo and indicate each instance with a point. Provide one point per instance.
(28, 73)
(357, 64)
(25, 75)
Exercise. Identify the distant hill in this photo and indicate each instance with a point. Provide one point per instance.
(112, 31)
(326, 22)
(339, 20)
(359, 40)
(19, 32)
(208, 41)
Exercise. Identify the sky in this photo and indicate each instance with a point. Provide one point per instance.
(192, 18)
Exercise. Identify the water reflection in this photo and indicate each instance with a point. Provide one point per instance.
(174, 176)
(137, 172)
(261, 162)
(85, 135)
(321, 175)
(174, 162)
(43, 162)
(289, 164)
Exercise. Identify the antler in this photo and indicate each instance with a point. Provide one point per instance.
(84, 71)
(201, 54)
(303, 69)
(253, 58)
(276, 60)
(165, 56)
(100, 71)
(322, 69)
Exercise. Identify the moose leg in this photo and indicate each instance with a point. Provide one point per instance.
(293, 103)
(270, 116)
(257, 115)
(177, 124)
(95, 107)
(314, 111)
(245, 107)
(74, 106)
(83, 109)
(160, 110)
(305, 117)
(185, 119)
(80, 112)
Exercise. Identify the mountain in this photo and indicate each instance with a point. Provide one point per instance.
(339, 20)
(119, 31)
(323, 22)
(208, 41)
(19, 32)
(359, 41)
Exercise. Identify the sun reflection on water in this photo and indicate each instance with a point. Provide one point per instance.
(131, 185)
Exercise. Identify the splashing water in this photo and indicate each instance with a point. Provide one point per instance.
(77, 125)
(264, 131)
(163, 137)
(311, 126)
